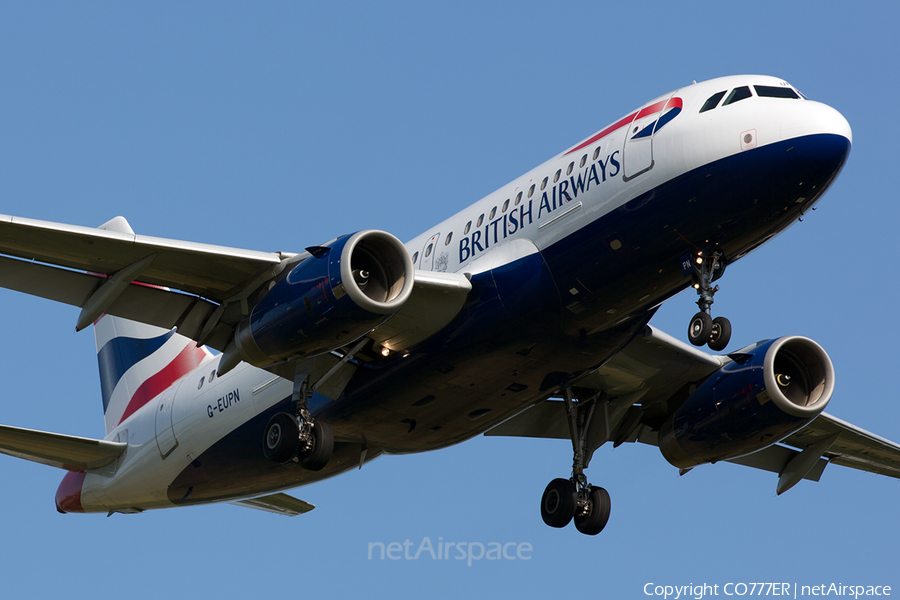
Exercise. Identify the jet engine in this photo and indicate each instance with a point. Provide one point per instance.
(764, 395)
(344, 290)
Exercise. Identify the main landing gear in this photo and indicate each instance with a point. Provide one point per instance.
(575, 498)
(703, 329)
(299, 435)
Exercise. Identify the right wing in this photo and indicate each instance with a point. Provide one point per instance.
(203, 290)
(80, 265)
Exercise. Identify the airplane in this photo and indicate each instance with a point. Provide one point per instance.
(232, 375)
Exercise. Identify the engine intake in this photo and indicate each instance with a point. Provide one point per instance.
(347, 288)
(765, 395)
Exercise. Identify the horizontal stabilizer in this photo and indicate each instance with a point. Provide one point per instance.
(67, 452)
(281, 504)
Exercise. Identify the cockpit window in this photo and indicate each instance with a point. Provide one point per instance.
(737, 94)
(767, 91)
(713, 101)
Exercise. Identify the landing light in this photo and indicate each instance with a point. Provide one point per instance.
(385, 351)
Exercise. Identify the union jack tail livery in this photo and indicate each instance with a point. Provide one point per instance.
(137, 363)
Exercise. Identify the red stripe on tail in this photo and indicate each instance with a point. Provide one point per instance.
(182, 364)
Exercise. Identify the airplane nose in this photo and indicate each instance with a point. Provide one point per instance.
(812, 118)
(68, 495)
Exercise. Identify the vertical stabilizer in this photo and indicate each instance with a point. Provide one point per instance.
(137, 363)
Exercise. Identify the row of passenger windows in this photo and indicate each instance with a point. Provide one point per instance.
(743, 92)
(505, 206)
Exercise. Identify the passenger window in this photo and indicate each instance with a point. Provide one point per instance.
(737, 94)
(531, 190)
(480, 220)
(767, 91)
(493, 212)
(415, 257)
(596, 153)
(518, 198)
(428, 250)
(466, 232)
(569, 170)
(544, 183)
(556, 177)
(449, 237)
(583, 160)
(713, 101)
(200, 385)
(212, 375)
(505, 205)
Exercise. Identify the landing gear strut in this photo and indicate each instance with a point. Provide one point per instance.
(287, 436)
(316, 440)
(703, 329)
(575, 498)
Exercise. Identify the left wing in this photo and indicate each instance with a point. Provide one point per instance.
(638, 383)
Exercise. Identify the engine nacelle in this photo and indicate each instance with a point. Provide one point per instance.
(765, 395)
(346, 289)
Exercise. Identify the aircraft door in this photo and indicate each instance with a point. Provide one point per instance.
(429, 251)
(637, 153)
(165, 433)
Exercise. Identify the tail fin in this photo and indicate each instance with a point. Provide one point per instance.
(137, 363)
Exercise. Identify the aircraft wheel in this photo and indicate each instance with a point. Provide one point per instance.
(282, 437)
(318, 456)
(558, 503)
(700, 329)
(720, 335)
(594, 520)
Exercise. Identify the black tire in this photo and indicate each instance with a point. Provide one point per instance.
(322, 447)
(593, 521)
(558, 503)
(699, 329)
(720, 335)
(281, 438)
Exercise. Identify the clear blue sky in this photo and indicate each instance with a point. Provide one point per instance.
(275, 126)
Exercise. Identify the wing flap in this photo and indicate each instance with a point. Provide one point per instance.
(775, 458)
(280, 503)
(854, 447)
(68, 452)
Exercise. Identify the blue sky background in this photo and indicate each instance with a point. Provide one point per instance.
(275, 126)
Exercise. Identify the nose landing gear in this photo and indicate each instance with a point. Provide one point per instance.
(703, 329)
